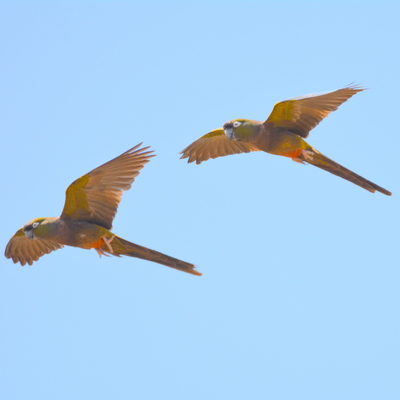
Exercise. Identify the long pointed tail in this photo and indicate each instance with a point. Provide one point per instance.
(317, 159)
(122, 247)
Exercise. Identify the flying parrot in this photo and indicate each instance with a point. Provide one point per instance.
(90, 207)
(281, 134)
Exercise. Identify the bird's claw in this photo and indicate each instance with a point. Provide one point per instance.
(101, 252)
(107, 242)
(307, 155)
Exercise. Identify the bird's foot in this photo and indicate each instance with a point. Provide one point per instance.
(107, 242)
(101, 252)
(307, 155)
(298, 160)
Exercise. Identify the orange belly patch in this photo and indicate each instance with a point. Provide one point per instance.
(293, 153)
(94, 245)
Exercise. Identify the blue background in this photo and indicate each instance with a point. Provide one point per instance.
(300, 293)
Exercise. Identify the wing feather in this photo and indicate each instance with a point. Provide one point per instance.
(24, 250)
(301, 114)
(95, 197)
(212, 145)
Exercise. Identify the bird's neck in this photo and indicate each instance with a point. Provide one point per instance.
(48, 228)
(249, 132)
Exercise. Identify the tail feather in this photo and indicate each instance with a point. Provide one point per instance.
(122, 247)
(319, 160)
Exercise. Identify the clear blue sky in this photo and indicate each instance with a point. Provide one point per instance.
(300, 293)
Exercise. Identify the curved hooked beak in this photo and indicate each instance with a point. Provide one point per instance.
(229, 133)
(29, 233)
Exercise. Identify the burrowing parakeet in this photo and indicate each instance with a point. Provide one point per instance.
(90, 207)
(281, 134)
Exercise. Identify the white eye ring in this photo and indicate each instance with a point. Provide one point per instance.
(35, 224)
(236, 124)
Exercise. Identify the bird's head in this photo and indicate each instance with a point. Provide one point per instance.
(241, 129)
(37, 227)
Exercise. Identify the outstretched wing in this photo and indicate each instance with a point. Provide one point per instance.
(24, 250)
(214, 144)
(301, 114)
(95, 197)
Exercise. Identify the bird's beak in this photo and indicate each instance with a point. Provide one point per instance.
(29, 233)
(229, 133)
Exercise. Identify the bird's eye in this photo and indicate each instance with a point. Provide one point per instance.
(35, 224)
(236, 124)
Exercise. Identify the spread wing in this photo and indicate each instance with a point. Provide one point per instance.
(301, 114)
(24, 250)
(214, 144)
(95, 197)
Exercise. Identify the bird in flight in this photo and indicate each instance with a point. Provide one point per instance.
(281, 134)
(86, 220)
